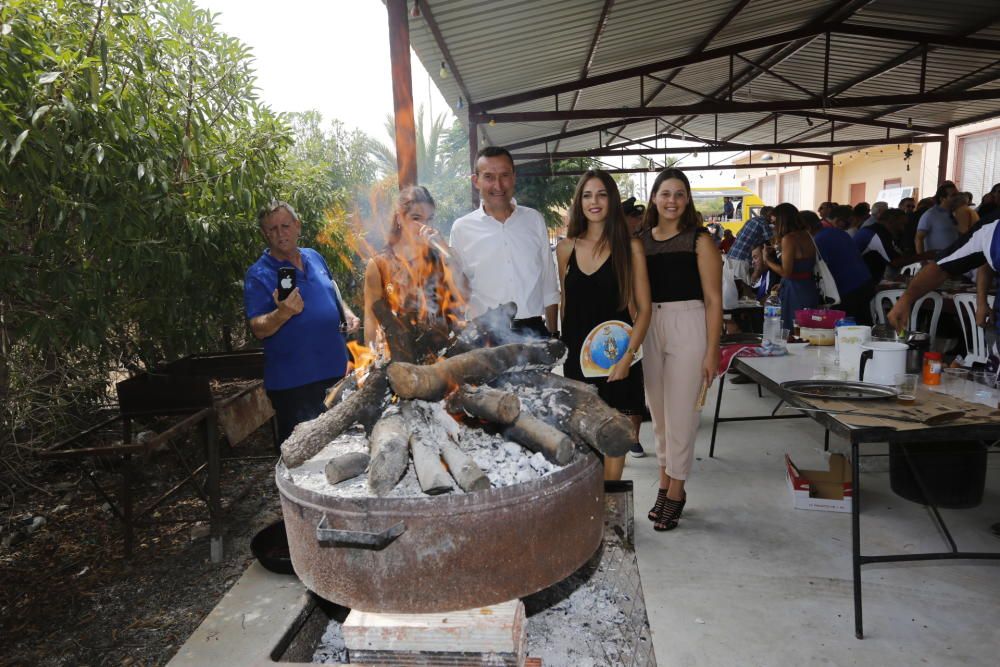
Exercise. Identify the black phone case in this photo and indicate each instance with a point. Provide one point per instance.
(284, 272)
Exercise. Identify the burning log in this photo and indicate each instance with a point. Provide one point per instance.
(470, 477)
(364, 406)
(432, 382)
(411, 340)
(482, 331)
(336, 393)
(538, 436)
(589, 418)
(390, 451)
(346, 466)
(492, 405)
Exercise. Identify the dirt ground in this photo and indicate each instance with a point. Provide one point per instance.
(69, 596)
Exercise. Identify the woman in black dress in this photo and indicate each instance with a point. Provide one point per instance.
(603, 275)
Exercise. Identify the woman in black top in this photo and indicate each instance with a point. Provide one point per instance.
(603, 276)
(681, 357)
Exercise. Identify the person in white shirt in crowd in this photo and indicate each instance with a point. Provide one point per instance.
(878, 208)
(503, 249)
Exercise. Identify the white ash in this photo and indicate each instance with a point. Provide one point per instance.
(505, 463)
(540, 401)
(331, 650)
(589, 628)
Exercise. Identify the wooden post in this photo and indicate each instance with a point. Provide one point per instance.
(473, 149)
(829, 182)
(402, 92)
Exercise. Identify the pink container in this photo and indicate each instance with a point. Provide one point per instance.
(816, 318)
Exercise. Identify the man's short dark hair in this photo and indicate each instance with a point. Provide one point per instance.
(944, 191)
(906, 199)
(842, 212)
(494, 151)
(862, 209)
(766, 211)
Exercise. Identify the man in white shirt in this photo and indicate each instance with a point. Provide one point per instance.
(504, 251)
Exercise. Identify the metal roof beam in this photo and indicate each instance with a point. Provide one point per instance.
(703, 167)
(738, 107)
(650, 68)
(702, 45)
(923, 38)
(602, 23)
(736, 147)
(726, 148)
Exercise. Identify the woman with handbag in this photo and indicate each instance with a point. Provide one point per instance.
(797, 266)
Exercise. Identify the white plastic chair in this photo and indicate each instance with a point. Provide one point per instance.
(975, 339)
(886, 299)
(911, 269)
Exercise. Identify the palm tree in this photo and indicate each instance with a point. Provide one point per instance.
(431, 154)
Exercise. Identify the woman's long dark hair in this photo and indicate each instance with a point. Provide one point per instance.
(787, 220)
(616, 236)
(689, 217)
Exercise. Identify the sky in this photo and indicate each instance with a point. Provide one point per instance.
(333, 56)
(328, 55)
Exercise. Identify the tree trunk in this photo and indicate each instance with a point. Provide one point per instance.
(390, 449)
(364, 406)
(589, 419)
(432, 382)
(492, 405)
(346, 466)
(536, 435)
(469, 476)
(431, 473)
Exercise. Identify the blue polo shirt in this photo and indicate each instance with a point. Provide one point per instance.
(837, 249)
(308, 347)
(940, 226)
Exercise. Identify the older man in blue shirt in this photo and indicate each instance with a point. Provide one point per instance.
(937, 228)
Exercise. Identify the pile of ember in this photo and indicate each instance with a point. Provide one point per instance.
(433, 427)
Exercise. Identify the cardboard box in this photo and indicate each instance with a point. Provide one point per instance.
(828, 490)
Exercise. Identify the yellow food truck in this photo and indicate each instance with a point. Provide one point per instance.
(711, 203)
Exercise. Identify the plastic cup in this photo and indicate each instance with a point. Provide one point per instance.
(906, 383)
(981, 386)
(953, 381)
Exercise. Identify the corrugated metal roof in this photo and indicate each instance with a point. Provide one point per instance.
(505, 49)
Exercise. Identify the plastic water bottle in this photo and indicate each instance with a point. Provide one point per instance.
(772, 322)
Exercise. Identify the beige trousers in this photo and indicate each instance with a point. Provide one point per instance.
(673, 355)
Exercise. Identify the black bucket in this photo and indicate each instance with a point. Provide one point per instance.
(954, 473)
(270, 546)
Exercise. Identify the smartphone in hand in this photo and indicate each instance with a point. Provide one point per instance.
(286, 282)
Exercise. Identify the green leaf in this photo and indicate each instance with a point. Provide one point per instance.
(140, 171)
(99, 153)
(39, 112)
(48, 77)
(16, 147)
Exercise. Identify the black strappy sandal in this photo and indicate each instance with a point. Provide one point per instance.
(661, 499)
(671, 514)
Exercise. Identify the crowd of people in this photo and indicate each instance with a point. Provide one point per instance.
(653, 266)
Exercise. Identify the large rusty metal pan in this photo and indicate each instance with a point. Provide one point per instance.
(445, 553)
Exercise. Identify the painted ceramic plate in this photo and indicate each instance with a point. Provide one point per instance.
(604, 346)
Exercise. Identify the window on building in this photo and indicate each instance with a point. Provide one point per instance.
(891, 183)
(790, 188)
(979, 163)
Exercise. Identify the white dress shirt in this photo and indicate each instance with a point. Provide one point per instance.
(506, 261)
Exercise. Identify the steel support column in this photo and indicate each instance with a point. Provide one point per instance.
(473, 149)
(402, 92)
(942, 170)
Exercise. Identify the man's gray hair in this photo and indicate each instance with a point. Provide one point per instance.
(275, 204)
(878, 207)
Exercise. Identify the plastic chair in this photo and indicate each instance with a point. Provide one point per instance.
(886, 299)
(911, 269)
(975, 339)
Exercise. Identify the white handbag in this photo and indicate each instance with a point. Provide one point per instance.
(829, 294)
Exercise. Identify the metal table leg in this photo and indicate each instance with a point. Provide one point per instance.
(715, 420)
(856, 537)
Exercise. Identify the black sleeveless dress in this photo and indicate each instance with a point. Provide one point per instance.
(590, 300)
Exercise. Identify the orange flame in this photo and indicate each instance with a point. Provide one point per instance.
(362, 357)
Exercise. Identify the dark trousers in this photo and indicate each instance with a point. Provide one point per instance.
(857, 304)
(298, 404)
